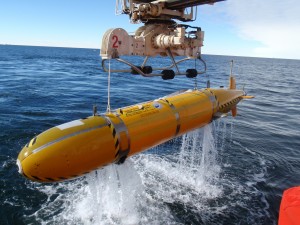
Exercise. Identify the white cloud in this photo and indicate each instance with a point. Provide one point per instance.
(274, 24)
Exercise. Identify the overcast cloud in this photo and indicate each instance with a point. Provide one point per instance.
(274, 24)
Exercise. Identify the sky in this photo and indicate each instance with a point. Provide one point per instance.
(256, 28)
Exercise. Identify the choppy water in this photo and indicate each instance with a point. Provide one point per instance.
(230, 172)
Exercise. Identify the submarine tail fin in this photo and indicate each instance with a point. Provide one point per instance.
(232, 84)
(234, 111)
(247, 96)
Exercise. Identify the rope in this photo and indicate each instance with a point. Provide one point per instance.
(196, 81)
(108, 88)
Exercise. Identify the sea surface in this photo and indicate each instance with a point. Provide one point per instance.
(232, 171)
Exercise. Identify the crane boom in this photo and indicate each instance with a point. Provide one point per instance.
(145, 10)
(181, 4)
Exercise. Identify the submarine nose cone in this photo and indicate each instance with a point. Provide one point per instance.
(25, 152)
(67, 151)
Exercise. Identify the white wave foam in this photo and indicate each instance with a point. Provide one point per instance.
(151, 188)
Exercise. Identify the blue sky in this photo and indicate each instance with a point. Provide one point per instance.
(269, 28)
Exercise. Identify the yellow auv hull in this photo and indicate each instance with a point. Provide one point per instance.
(78, 147)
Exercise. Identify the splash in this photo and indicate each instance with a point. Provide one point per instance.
(182, 186)
(114, 194)
(147, 187)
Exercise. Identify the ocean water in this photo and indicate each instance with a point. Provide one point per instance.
(232, 171)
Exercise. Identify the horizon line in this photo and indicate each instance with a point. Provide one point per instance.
(47, 46)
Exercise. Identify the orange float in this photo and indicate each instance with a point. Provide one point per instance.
(289, 213)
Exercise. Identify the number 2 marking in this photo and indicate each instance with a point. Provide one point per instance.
(115, 39)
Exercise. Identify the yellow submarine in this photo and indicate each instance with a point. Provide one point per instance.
(80, 146)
